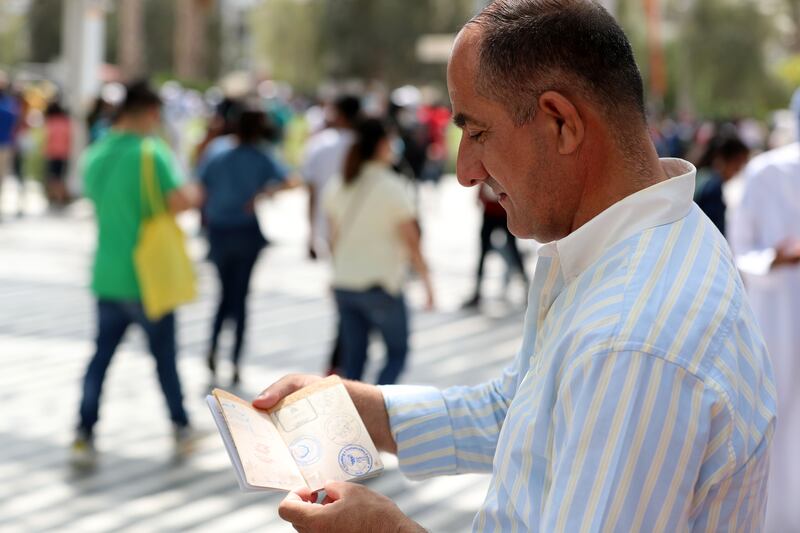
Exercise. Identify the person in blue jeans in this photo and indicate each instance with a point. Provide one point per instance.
(373, 309)
(114, 318)
(112, 181)
(233, 178)
(374, 238)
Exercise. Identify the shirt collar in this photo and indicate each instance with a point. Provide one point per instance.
(659, 204)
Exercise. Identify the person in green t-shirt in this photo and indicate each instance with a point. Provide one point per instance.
(112, 174)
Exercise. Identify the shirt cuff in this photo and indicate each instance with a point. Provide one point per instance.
(421, 427)
(756, 262)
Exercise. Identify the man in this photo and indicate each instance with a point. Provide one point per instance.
(324, 158)
(642, 397)
(112, 180)
(765, 237)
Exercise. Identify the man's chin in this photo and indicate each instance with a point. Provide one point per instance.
(526, 231)
(517, 231)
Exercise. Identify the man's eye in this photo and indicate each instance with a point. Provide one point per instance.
(476, 136)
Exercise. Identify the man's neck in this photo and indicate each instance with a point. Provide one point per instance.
(613, 177)
(132, 125)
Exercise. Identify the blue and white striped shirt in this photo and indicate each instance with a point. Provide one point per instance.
(642, 397)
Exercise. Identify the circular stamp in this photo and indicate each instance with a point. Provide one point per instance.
(355, 460)
(342, 429)
(305, 450)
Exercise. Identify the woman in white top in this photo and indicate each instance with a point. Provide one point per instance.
(374, 236)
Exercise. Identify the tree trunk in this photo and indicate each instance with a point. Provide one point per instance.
(794, 13)
(190, 38)
(131, 38)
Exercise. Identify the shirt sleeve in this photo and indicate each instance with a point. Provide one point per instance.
(630, 434)
(86, 172)
(214, 149)
(201, 168)
(310, 169)
(204, 173)
(451, 431)
(274, 170)
(398, 202)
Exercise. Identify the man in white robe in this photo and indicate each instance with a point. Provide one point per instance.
(765, 237)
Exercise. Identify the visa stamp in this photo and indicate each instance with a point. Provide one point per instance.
(305, 450)
(296, 415)
(355, 460)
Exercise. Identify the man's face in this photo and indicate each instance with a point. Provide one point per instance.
(520, 163)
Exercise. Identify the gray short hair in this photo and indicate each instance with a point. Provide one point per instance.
(530, 46)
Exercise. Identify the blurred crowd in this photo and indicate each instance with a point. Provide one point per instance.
(306, 141)
(309, 141)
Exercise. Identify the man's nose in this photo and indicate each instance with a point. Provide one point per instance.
(469, 168)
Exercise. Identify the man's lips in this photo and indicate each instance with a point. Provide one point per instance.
(495, 187)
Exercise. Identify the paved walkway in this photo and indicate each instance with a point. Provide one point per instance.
(46, 328)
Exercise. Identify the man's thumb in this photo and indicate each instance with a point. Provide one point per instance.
(336, 490)
(293, 509)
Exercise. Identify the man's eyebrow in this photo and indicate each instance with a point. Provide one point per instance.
(461, 119)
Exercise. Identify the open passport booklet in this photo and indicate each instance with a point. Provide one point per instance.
(312, 436)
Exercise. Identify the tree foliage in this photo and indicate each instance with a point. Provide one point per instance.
(716, 49)
(12, 38)
(724, 43)
(716, 53)
(44, 23)
(286, 41)
(392, 30)
(307, 42)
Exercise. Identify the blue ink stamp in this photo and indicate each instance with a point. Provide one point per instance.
(355, 460)
(305, 450)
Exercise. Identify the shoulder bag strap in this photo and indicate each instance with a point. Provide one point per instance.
(150, 191)
(353, 211)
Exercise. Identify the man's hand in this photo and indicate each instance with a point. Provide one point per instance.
(787, 253)
(347, 508)
(368, 400)
(282, 388)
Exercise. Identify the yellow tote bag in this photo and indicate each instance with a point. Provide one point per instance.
(163, 268)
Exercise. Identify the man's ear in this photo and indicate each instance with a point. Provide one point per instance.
(567, 122)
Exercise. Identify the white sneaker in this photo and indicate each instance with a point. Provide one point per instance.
(186, 438)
